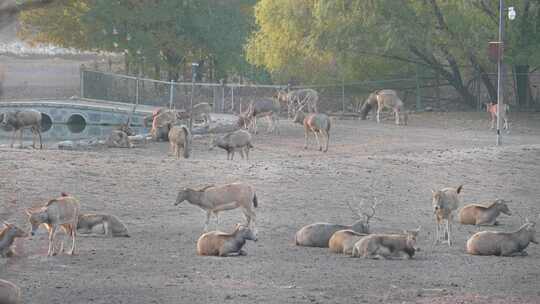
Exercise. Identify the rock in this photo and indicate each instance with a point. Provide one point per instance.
(66, 145)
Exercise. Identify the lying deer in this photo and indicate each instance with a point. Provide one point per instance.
(62, 212)
(319, 234)
(503, 243)
(385, 246)
(7, 237)
(112, 226)
(343, 241)
(20, 120)
(214, 199)
(9, 293)
(491, 108)
(223, 244)
(475, 214)
(445, 201)
(316, 123)
(118, 139)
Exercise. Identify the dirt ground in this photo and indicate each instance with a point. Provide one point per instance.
(396, 165)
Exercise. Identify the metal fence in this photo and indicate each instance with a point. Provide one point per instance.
(224, 97)
(418, 93)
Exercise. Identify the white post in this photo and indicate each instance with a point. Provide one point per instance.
(500, 91)
(171, 94)
(232, 99)
(137, 91)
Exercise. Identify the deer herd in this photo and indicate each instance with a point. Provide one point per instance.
(355, 240)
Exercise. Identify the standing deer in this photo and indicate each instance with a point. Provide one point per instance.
(444, 202)
(239, 140)
(264, 107)
(20, 120)
(316, 123)
(491, 108)
(384, 99)
(180, 138)
(62, 212)
(214, 199)
(299, 98)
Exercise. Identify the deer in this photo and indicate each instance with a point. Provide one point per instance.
(264, 107)
(316, 123)
(214, 199)
(7, 237)
(180, 138)
(444, 202)
(20, 120)
(475, 214)
(9, 293)
(343, 241)
(297, 99)
(377, 246)
(491, 108)
(112, 226)
(319, 234)
(62, 212)
(503, 243)
(239, 140)
(385, 99)
(223, 244)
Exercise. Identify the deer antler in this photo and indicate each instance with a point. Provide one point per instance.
(355, 212)
(373, 208)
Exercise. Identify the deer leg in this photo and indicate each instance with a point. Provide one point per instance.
(327, 135)
(378, 114)
(448, 227)
(396, 115)
(21, 137)
(318, 141)
(306, 135)
(247, 152)
(52, 232)
(73, 233)
(242, 153)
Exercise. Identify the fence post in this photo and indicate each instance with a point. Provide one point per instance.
(171, 94)
(232, 99)
(418, 98)
(343, 96)
(222, 107)
(137, 91)
(81, 69)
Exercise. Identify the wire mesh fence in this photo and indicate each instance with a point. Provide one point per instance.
(223, 97)
(418, 93)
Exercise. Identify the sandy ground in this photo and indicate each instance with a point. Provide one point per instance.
(396, 165)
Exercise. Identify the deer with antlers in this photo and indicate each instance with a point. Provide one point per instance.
(319, 234)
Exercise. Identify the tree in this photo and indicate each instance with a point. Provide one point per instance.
(375, 37)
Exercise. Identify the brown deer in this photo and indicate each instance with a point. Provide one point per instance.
(20, 120)
(445, 202)
(316, 123)
(223, 244)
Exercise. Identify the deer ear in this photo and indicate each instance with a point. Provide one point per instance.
(28, 211)
(433, 191)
